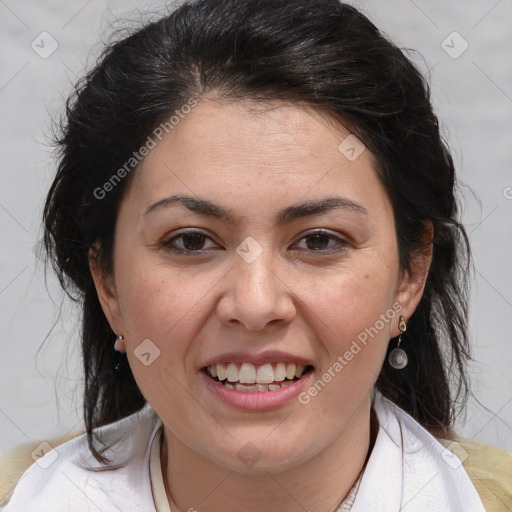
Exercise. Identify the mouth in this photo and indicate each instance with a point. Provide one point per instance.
(250, 378)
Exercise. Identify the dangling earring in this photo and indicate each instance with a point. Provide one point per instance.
(118, 353)
(397, 357)
(117, 343)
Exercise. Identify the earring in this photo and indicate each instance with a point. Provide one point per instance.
(117, 344)
(397, 357)
(118, 354)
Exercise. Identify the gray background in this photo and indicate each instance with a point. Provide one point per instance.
(40, 393)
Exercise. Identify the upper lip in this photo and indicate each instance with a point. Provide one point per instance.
(256, 359)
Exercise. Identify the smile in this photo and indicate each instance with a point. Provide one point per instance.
(250, 378)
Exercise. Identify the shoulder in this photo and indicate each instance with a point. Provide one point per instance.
(14, 463)
(65, 474)
(487, 469)
(490, 470)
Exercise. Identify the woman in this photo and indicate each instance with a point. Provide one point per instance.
(256, 211)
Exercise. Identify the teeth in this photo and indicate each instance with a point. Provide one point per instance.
(290, 371)
(232, 372)
(251, 388)
(265, 374)
(247, 373)
(255, 388)
(280, 372)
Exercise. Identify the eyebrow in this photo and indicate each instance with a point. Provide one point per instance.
(287, 215)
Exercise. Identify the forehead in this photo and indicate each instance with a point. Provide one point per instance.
(266, 148)
(257, 128)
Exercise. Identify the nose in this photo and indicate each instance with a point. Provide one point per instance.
(256, 294)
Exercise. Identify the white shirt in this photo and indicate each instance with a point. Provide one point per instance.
(408, 470)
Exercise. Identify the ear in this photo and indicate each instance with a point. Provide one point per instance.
(106, 290)
(412, 282)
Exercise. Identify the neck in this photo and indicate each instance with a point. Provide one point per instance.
(194, 482)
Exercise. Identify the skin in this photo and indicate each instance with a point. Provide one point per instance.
(255, 160)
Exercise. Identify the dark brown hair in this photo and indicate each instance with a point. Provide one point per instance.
(316, 52)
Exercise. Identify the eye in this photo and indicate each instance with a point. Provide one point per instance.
(318, 241)
(192, 241)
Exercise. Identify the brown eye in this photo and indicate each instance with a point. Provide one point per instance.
(323, 242)
(193, 241)
(187, 242)
(317, 242)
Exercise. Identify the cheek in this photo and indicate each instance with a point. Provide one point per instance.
(351, 302)
(158, 308)
(154, 298)
(168, 306)
(352, 314)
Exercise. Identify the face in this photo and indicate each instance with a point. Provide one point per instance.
(250, 248)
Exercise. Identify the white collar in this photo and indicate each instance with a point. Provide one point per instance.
(410, 471)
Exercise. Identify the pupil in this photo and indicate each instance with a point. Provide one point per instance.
(317, 241)
(193, 241)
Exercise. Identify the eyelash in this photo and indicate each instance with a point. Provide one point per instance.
(168, 244)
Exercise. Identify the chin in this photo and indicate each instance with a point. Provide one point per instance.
(252, 454)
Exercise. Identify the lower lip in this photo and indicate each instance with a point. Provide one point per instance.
(257, 400)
